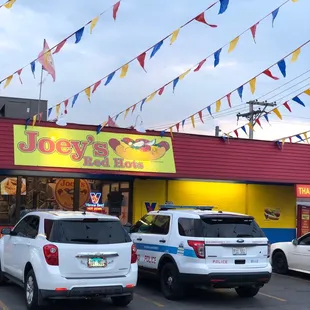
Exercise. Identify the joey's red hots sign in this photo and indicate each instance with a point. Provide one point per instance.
(53, 147)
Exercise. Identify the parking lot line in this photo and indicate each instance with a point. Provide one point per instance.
(273, 297)
(3, 306)
(150, 300)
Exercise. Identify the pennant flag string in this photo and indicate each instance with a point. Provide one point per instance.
(276, 111)
(199, 65)
(239, 90)
(78, 34)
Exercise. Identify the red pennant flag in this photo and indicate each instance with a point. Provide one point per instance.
(96, 86)
(201, 18)
(115, 9)
(19, 72)
(228, 99)
(177, 126)
(258, 122)
(141, 60)
(200, 116)
(200, 65)
(290, 138)
(40, 116)
(236, 133)
(133, 108)
(161, 90)
(268, 73)
(287, 106)
(66, 105)
(60, 46)
(253, 31)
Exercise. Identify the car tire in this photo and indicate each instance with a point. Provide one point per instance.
(247, 291)
(170, 283)
(31, 291)
(122, 301)
(279, 263)
(3, 279)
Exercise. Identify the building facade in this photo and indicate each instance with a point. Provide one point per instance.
(129, 173)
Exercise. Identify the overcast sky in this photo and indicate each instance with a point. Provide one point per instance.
(139, 25)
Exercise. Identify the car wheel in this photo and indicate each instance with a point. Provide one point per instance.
(31, 291)
(279, 263)
(171, 285)
(247, 291)
(3, 279)
(122, 301)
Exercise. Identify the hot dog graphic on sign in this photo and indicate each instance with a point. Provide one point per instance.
(139, 149)
(272, 214)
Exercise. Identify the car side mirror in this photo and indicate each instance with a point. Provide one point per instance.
(6, 231)
(295, 242)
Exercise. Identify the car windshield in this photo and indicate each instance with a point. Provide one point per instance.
(230, 227)
(85, 232)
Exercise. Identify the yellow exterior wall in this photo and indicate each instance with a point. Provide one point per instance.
(242, 198)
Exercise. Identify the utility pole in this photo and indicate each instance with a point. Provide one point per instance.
(254, 115)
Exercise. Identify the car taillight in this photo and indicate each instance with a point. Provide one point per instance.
(268, 250)
(199, 248)
(51, 254)
(134, 255)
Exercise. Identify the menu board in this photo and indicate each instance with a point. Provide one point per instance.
(304, 220)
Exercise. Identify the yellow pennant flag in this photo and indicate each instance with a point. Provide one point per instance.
(124, 70)
(276, 112)
(250, 126)
(218, 106)
(126, 112)
(253, 85)
(306, 137)
(57, 110)
(307, 92)
(283, 141)
(174, 36)
(34, 119)
(294, 0)
(149, 98)
(193, 121)
(233, 44)
(8, 81)
(295, 55)
(93, 24)
(9, 4)
(183, 75)
(171, 132)
(87, 92)
(103, 124)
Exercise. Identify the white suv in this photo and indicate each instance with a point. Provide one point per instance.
(59, 254)
(200, 247)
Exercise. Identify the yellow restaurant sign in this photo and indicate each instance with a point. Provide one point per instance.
(66, 148)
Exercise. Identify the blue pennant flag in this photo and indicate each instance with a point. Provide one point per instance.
(79, 35)
(156, 48)
(49, 111)
(244, 129)
(109, 78)
(266, 117)
(217, 57)
(297, 99)
(142, 103)
(240, 91)
(282, 67)
(27, 123)
(299, 137)
(274, 15)
(183, 122)
(209, 110)
(33, 68)
(224, 6)
(98, 129)
(175, 83)
(162, 133)
(74, 99)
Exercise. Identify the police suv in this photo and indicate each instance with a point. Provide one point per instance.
(195, 246)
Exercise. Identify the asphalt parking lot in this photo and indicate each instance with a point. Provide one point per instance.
(288, 292)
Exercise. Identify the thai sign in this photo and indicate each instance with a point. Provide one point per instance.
(67, 148)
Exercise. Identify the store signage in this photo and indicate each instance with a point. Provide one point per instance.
(95, 198)
(54, 147)
(302, 191)
(305, 220)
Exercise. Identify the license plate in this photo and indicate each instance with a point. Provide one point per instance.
(239, 251)
(97, 262)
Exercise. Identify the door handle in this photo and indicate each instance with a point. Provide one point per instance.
(139, 239)
(162, 241)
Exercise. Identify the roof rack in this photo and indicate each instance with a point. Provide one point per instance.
(167, 207)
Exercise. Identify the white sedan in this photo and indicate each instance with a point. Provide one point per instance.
(293, 255)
